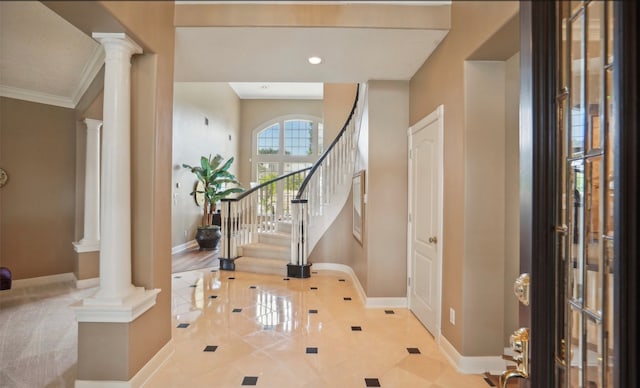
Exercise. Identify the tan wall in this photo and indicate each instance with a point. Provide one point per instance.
(37, 222)
(337, 103)
(255, 113)
(512, 194)
(151, 25)
(440, 80)
(313, 15)
(483, 275)
(192, 138)
(386, 189)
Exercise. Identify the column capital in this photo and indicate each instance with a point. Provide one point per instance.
(92, 123)
(117, 40)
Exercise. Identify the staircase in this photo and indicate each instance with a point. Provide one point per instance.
(270, 254)
(260, 236)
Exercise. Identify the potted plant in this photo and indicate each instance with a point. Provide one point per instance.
(213, 176)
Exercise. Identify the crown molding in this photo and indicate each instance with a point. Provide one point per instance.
(33, 96)
(89, 72)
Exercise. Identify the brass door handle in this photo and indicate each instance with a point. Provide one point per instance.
(433, 240)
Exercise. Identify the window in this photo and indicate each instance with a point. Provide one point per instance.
(286, 144)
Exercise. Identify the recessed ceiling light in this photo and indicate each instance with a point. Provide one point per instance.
(315, 60)
(264, 87)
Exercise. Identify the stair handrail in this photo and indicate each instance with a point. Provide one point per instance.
(335, 141)
(246, 193)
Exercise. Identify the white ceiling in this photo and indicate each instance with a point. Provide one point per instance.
(45, 59)
(278, 90)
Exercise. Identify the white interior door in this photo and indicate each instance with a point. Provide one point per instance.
(425, 220)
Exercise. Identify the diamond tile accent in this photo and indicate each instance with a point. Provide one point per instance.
(313, 311)
(236, 310)
(314, 288)
(251, 380)
(210, 348)
(347, 298)
(356, 328)
(413, 350)
(183, 326)
(371, 382)
(313, 350)
(254, 287)
(389, 312)
(213, 296)
(231, 278)
(341, 280)
(285, 279)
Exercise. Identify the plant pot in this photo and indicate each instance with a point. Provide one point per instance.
(208, 237)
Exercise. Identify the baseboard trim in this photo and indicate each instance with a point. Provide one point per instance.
(400, 302)
(184, 247)
(87, 283)
(373, 302)
(140, 379)
(43, 280)
(471, 365)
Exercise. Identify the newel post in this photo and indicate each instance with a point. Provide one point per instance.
(299, 267)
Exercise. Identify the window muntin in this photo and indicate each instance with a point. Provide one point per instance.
(268, 140)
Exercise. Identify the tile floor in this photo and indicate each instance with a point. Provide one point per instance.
(233, 329)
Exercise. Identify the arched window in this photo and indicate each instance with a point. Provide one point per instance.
(284, 145)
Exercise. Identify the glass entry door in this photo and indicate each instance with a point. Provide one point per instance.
(584, 226)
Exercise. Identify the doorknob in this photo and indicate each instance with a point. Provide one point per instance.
(520, 345)
(433, 240)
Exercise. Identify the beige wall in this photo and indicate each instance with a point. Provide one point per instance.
(386, 188)
(37, 222)
(441, 81)
(313, 15)
(192, 138)
(484, 166)
(337, 103)
(255, 113)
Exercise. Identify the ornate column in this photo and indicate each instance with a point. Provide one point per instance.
(91, 235)
(117, 300)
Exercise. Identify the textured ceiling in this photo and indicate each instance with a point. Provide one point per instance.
(44, 58)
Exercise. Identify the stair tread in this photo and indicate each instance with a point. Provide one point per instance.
(265, 246)
(260, 260)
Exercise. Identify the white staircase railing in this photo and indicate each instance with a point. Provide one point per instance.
(255, 211)
(325, 190)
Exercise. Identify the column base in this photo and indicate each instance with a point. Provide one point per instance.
(120, 310)
(299, 271)
(86, 246)
(228, 264)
